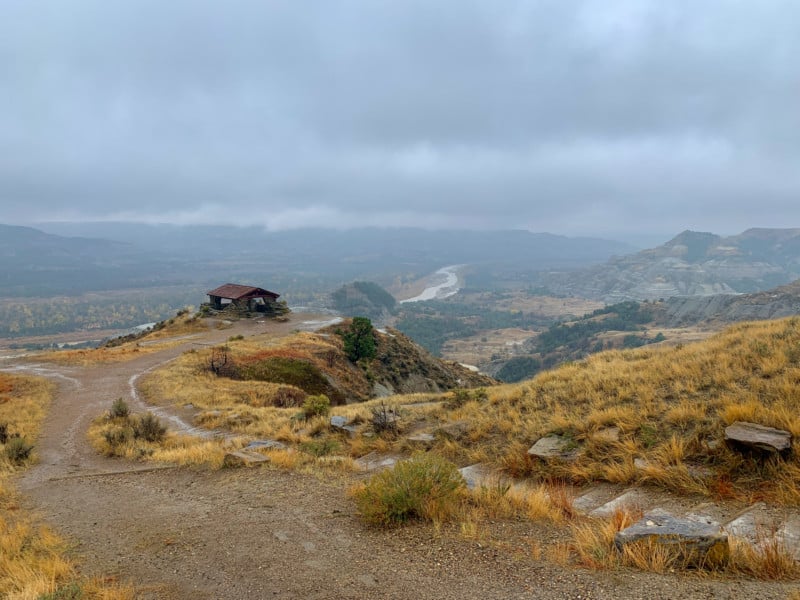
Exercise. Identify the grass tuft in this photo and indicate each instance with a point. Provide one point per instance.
(425, 487)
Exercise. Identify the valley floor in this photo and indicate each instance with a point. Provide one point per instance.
(179, 533)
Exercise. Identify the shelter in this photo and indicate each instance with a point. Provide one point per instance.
(245, 297)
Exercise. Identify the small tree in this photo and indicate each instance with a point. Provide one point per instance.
(359, 339)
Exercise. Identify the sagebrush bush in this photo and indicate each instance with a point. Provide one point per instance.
(384, 419)
(315, 406)
(426, 486)
(118, 437)
(149, 428)
(17, 449)
(286, 397)
(119, 409)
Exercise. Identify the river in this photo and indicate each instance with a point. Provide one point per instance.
(444, 284)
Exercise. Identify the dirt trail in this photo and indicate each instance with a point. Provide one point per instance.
(259, 533)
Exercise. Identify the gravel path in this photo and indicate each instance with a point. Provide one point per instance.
(262, 533)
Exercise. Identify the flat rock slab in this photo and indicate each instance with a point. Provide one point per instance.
(476, 475)
(693, 541)
(343, 424)
(243, 459)
(634, 498)
(265, 445)
(789, 536)
(554, 446)
(750, 524)
(751, 436)
(376, 462)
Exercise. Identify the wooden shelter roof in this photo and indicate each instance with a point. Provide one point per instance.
(234, 291)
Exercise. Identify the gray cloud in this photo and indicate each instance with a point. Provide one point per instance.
(604, 117)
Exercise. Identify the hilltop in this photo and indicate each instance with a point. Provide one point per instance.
(646, 423)
(691, 264)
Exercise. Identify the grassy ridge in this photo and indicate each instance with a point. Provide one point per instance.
(671, 405)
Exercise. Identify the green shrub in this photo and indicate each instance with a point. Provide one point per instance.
(458, 398)
(426, 487)
(71, 591)
(461, 396)
(359, 340)
(320, 447)
(17, 449)
(314, 406)
(148, 428)
(118, 436)
(119, 409)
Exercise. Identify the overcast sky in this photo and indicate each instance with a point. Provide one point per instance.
(605, 118)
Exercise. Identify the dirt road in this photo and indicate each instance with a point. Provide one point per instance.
(262, 533)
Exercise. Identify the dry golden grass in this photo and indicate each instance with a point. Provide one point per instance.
(669, 403)
(32, 557)
(97, 356)
(161, 339)
(592, 546)
(768, 560)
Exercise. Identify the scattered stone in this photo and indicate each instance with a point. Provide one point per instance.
(591, 499)
(712, 445)
(375, 462)
(751, 436)
(475, 475)
(554, 446)
(607, 435)
(630, 499)
(266, 445)
(241, 458)
(343, 424)
(749, 524)
(695, 542)
(641, 463)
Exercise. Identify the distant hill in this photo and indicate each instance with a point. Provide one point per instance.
(36, 263)
(75, 257)
(691, 264)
